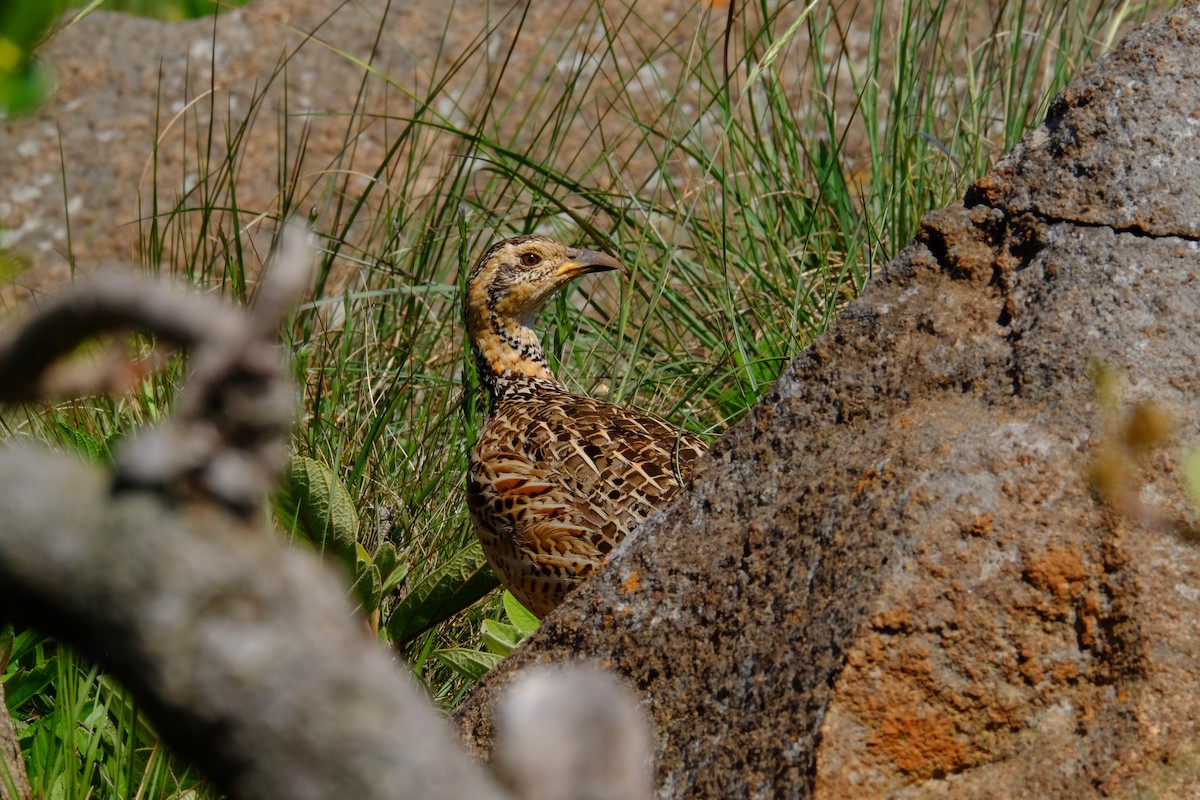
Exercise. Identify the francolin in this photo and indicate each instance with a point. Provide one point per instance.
(556, 479)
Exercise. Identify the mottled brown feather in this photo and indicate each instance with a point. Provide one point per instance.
(556, 480)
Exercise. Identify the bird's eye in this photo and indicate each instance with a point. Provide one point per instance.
(530, 259)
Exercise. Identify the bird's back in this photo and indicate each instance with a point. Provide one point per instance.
(557, 480)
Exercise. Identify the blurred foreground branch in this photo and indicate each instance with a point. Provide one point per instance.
(244, 652)
(227, 438)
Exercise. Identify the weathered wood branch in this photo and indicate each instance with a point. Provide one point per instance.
(244, 652)
(227, 438)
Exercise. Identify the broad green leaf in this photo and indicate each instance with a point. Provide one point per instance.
(24, 83)
(23, 23)
(58, 789)
(26, 643)
(25, 684)
(520, 616)
(84, 442)
(316, 506)
(391, 569)
(440, 594)
(471, 664)
(368, 588)
(499, 637)
(385, 558)
(94, 728)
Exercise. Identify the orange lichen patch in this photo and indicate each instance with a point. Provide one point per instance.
(1089, 615)
(631, 583)
(918, 742)
(869, 477)
(1029, 664)
(920, 496)
(1068, 672)
(980, 526)
(1059, 570)
(893, 619)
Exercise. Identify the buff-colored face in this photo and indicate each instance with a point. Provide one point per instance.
(517, 276)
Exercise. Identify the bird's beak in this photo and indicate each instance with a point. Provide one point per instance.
(581, 262)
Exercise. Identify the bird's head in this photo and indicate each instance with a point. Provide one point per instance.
(516, 277)
(510, 283)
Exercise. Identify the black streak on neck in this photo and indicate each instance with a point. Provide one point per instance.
(488, 379)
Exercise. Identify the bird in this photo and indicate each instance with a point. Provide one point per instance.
(555, 480)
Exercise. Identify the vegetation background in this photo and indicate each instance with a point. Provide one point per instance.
(752, 189)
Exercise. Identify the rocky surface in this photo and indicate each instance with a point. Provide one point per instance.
(175, 122)
(156, 129)
(946, 557)
(127, 134)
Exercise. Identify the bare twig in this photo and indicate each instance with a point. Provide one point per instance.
(226, 441)
(245, 652)
(111, 302)
(227, 438)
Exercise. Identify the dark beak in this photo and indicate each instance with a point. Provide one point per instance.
(581, 262)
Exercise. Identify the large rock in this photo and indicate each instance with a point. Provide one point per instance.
(938, 559)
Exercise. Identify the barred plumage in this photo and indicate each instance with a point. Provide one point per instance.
(556, 479)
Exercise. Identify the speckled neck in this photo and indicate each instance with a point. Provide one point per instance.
(508, 357)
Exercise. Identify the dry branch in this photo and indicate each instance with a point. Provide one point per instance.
(244, 652)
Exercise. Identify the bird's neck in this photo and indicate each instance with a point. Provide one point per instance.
(508, 355)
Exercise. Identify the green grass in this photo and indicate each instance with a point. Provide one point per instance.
(80, 733)
(751, 182)
(161, 9)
